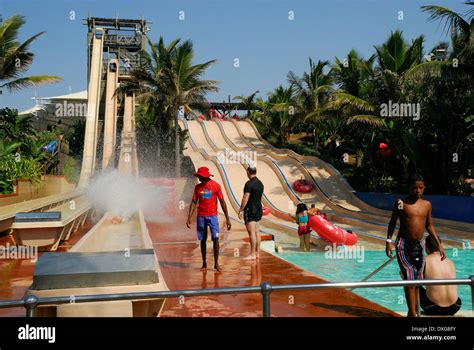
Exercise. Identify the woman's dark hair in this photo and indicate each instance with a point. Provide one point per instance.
(301, 207)
(431, 244)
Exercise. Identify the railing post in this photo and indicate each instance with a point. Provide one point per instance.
(266, 289)
(31, 302)
(418, 303)
(472, 292)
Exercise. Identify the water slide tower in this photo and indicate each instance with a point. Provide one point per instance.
(113, 47)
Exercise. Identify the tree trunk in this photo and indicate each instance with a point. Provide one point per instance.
(176, 145)
(315, 139)
(359, 157)
(159, 139)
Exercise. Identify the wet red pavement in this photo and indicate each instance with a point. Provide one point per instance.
(16, 275)
(180, 260)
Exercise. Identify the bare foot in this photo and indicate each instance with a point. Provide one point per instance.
(257, 256)
(217, 268)
(250, 257)
(203, 268)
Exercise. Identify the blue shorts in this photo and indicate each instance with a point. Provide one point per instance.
(203, 222)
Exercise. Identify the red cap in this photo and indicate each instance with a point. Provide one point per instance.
(203, 172)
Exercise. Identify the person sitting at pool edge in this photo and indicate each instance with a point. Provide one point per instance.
(415, 217)
(438, 300)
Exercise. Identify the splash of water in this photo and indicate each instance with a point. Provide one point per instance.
(123, 195)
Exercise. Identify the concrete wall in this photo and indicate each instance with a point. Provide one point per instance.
(459, 208)
(25, 190)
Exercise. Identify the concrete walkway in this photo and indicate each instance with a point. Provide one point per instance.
(180, 258)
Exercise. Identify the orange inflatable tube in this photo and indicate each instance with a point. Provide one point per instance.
(331, 232)
(302, 186)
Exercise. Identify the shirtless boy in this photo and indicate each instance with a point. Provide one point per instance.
(415, 217)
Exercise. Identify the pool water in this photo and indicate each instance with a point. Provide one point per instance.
(352, 270)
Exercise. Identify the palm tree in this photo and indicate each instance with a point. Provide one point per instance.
(149, 85)
(312, 91)
(398, 56)
(462, 42)
(461, 29)
(354, 77)
(351, 73)
(184, 87)
(15, 57)
(167, 80)
(261, 117)
(13, 127)
(313, 88)
(282, 113)
(248, 101)
(274, 117)
(395, 57)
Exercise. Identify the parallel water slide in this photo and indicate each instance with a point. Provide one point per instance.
(231, 175)
(335, 187)
(50, 235)
(218, 142)
(113, 256)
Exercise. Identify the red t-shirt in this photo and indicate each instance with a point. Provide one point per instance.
(206, 194)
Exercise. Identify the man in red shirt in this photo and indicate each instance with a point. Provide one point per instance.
(205, 198)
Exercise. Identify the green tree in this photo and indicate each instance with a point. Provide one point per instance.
(185, 87)
(15, 57)
(13, 127)
(7, 148)
(394, 58)
(461, 29)
(248, 101)
(167, 81)
(312, 91)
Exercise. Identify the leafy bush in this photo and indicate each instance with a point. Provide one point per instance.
(302, 149)
(13, 168)
(71, 170)
(367, 180)
(45, 136)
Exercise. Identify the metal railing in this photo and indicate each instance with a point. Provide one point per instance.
(265, 289)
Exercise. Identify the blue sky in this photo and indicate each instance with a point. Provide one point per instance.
(256, 32)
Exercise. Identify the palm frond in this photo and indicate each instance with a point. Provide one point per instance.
(452, 20)
(426, 69)
(367, 119)
(342, 99)
(25, 45)
(31, 81)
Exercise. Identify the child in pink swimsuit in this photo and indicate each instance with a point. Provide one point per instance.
(304, 231)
